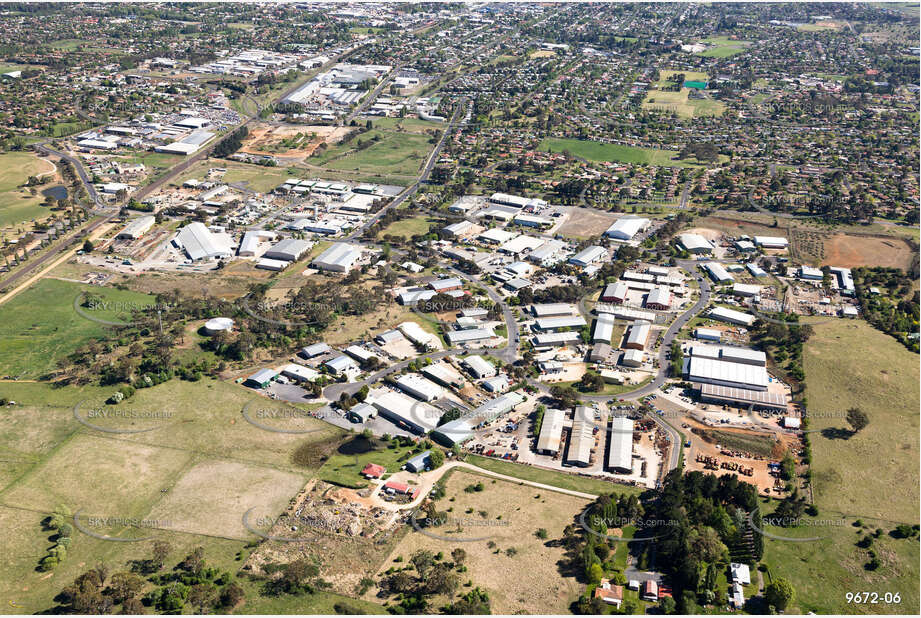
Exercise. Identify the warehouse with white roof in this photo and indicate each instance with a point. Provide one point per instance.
(695, 243)
(626, 228)
(771, 242)
(620, 445)
(338, 258)
(588, 256)
(724, 373)
(288, 250)
(199, 243)
(604, 328)
(731, 316)
(551, 432)
(137, 228)
(406, 412)
(717, 272)
(420, 388)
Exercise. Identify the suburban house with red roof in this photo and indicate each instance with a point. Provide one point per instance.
(610, 594)
(395, 487)
(373, 471)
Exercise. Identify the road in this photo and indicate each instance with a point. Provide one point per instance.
(423, 175)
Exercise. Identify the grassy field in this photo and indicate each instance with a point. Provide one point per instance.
(18, 205)
(758, 445)
(407, 228)
(722, 47)
(823, 571)
(255, 177)
(31, 342)
(394, 154)
(680, 103)
(195, 475)
(562, 480)
(597, 151)
(850, 364)
(511, 515)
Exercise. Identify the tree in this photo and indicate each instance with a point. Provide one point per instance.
(667, 605)
(87, 246)
(779, 593)
(458, 555)
(423, 560)
(231, 595)
(202, 596)
(159, 553)
(124, 586)
(436, 458)
(594, 573)
(857, 419)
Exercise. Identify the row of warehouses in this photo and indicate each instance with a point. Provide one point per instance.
(582, 433)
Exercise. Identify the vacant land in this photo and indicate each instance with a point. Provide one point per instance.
(823, 571)
(563, 480)
(31, 342)
(586, 222)
(17, 204)
(254, 177)
(879, 376)
(737, 440)
(851, 251)
(407, 228)
(509, 515)
(345, 466)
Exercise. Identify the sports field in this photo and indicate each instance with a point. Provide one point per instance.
(597, 151)
(17, 205)
(722, 47)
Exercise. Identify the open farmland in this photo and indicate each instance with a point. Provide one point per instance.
(826, 569)
(510, 516)
(879, 376)
(32, 342)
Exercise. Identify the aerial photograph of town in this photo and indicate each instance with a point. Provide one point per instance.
(465, 308)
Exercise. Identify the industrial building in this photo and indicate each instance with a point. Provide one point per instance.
(552, 309)
(724, 373)
(288, 250)
(742, 398)
(600, 353)
(811, 274)
(273, 265)
(718, 273)
(250, 241)
(314, 350)
(468, 335)
(638, 336)
(604, 328)
(745, 290)
(299, 372)
(708, 334)
(615, 293)
(406, 412)
(453, 432)
(420, 463)
(620, 445)
(516, 201)
(261, 378)
(731, 316)
(771, 242)
(556, 339)
(659, 298)
(342, 365)
(444, 374)
(361, 413)
(626, 313)
(199, 243)
(420, 388)
(581, 438)
(695, 243)
(588, 256)
(338, 258)
(548, 254)
(626, 228)
(632, 358)
(479, 367)
(559, 322)
(843, 278)
(137, 228)
(732, 354)
(551, 432)
(755, 270)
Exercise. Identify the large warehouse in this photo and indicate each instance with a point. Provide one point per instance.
(555, 323)
(626, 228)
(695, 243)
(604, 328)
(581, 438)
(718, 273)
(588, 256)
(137, 228)
(743, 398)
(551, 432)
(338, 258)
(288, 250)
(725, 373)
(406, 412)
(200, 244)
(639, 335)
(620, 445)
(731, 316)
(420, 388)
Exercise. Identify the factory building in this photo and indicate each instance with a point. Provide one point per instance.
(620, 445)
(718, 273)
(604, 328)
(695, 243)
(731, 316)
(420, 388)
(659, 298)
(137, 228)
(588, 256)
(479, 367)
(581, 438)
(406, 412)
(199, 243)
(638, 336)
(615, 293)
(288, 250)
(626, 228)
(551, 432)
(338, 258)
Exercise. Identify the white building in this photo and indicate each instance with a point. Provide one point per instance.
(338, 258)
(626, 228)
(137, 228)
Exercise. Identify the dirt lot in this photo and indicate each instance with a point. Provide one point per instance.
(851, 251)
(523, 510)
(585, 223)
(266, 139)
(761, 477)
